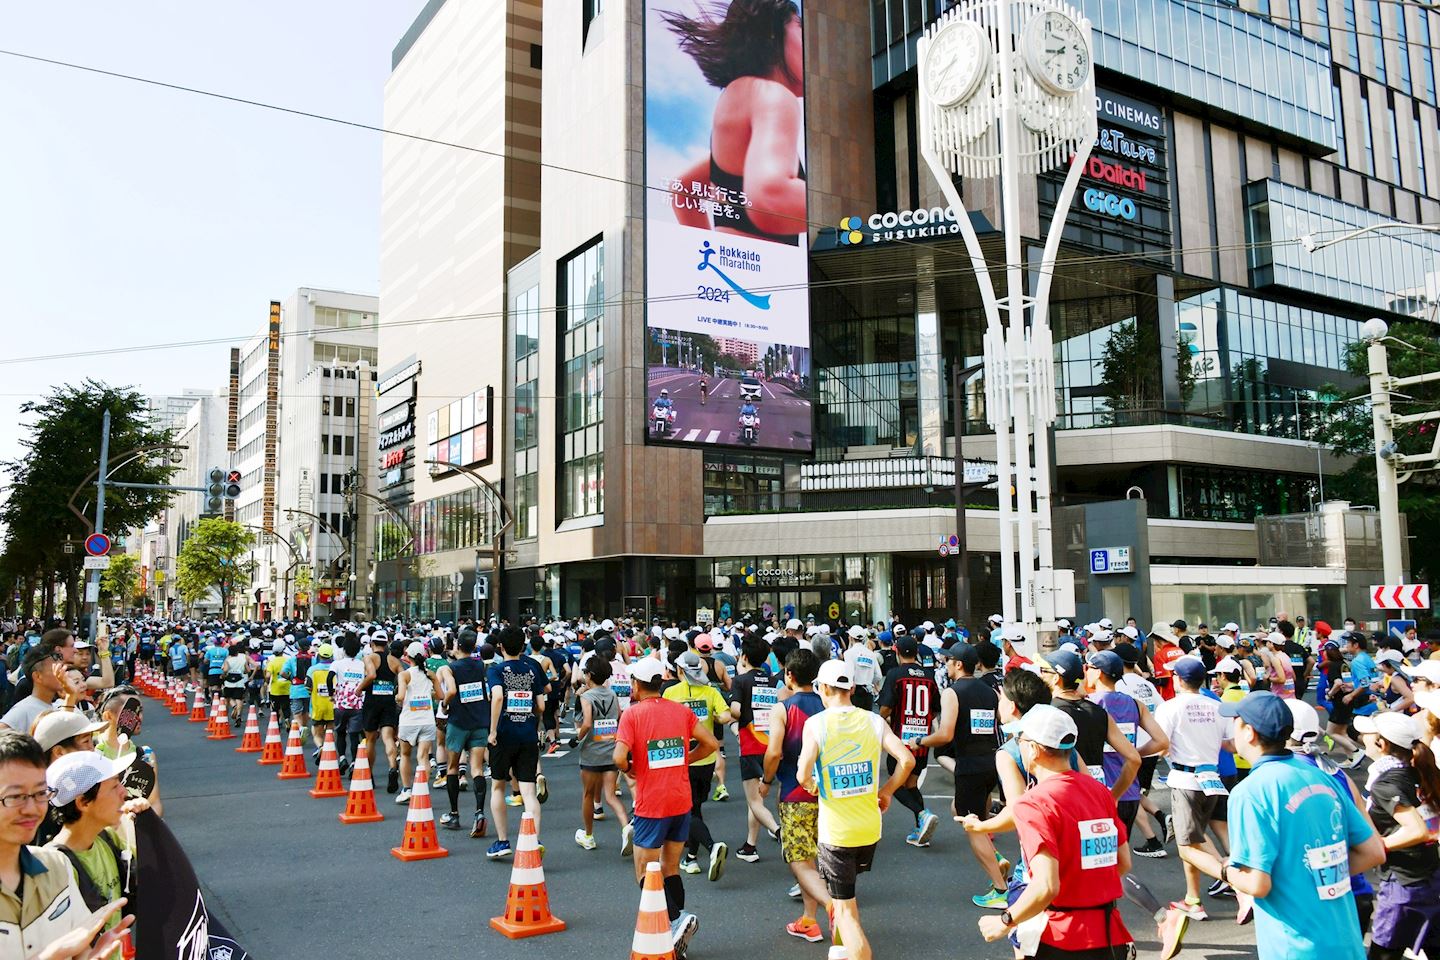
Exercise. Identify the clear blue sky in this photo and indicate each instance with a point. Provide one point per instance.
(137, 215)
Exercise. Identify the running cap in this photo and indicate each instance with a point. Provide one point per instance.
(1398, 728)
(1048, 726)
(1067, 663)
(1389, 656)
(794, 624)
(835, 673)
(646, 670)
(74, 774)
(1264, 712)
(1307, 723)
(58, 725)
(1108, 662)
(1227, 665)
(1190, 669)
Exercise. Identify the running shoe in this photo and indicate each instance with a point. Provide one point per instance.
(774, 834)
(344, 766)
(991, 899)
(718, 853)
(1355, 761)
(514, 800)
(477, 829)
(1194, 911)
(498, 849)
(403, 796)
(441, 780)
(451, 821)
(392, 782)
(1169, 829)
(806, 928)
(689, 865)
(913, 838)
(720, 794)
(1172, 932)
(1152, 849)
(598, 813)
(554, 745)
(794, 892)
(681, 932)
(542, 788)
(627, 840)
(1220, 889)
(748, 853)
(585, 841)
(926, 827)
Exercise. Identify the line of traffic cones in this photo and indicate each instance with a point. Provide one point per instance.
(250, 742)
(327, 779)
(360, 804)
(177, 700)
(294, 766)
(527, 906)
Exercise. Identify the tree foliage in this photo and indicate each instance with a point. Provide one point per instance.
(1130, 380)
(1414, 348)
(62, 456)
(214, 558)
(120, 578)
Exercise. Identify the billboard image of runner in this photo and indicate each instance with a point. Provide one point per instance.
(728, 313)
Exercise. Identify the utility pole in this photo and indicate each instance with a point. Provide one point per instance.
(92, 581)
(1387, 481)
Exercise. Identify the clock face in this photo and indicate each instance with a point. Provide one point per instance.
(956, 63)
(1057, 52)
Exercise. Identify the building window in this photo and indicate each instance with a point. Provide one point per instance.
(349, 406)
(1428, 55)
(459, 432)
(1394, 146)
(527, 506)
(325, 406)
(349, 445)
(1340, 126)
(324, 483)
(1377, 36)
(581, 318)
(1421, 187)
(1402, 35)
(1352, 37)
(1295, 14)
(331, 318)
(1369, 132)
(589, 10)
(525, 319)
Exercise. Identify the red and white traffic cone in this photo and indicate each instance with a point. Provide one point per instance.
(177, 699)
(420, 841)
(327, 780)
(250, 742)
(360, 804)
(527, 906)
(294, 766)
(197, 712)
(274, 748)
(652, 923)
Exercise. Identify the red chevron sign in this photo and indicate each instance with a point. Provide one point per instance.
(1411, 596)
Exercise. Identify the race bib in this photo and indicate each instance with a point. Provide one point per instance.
(383, 688)
(621, 687)
(666, 752)
(605, 730)
(1097, 772)
(417, 704)
(1210, 782)
(519, 702)
(730, 670)
(763, 698)
(1431, 818)
(849, 779)
(1126, 728)
(472, 692)
(982, 723)
(700, 708)
(352, 676)
(913, 732)
(1330, 868)
(1099, 844)
(864, 662)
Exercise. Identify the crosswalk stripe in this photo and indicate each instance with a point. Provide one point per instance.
(692, 435)
(712, 436)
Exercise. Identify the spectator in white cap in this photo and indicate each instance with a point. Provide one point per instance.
(90, 798)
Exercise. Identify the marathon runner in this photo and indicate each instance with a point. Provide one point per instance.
(467, 730)
(692, 687)
(910, 701)
(752, 696)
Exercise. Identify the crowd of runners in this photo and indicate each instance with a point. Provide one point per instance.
(1228, 749)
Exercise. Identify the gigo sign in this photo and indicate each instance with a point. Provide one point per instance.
(1109, 204)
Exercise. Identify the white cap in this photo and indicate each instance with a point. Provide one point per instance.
(1062, 622)
(1048, 726)
(1073, 648)
(607, 624)
(58, 725)
(1107, 623)
(1429, 700)
(835, 673)
(1398, 728)
(1130, 632)
(856, 632)
(794, 624)
(1227, 665)
(1427, 670)
(995, 618)
(1013, 631)
(1224, 642)
(1275, 636)
(75, 773)
(1389, 656)
(1307, 722)
(1231, 627)
(929, 626)
(646, 670)
(416, 649)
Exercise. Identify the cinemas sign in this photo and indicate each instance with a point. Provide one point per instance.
(1123, 203)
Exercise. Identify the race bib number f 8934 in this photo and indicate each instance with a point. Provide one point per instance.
(1099, 844)
(1330, 868)
(666, 752)
(849, 779)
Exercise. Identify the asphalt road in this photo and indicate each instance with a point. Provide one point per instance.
(784, 415)
(292, 882)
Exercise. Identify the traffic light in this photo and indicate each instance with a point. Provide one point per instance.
(215, 491)
(232, 484)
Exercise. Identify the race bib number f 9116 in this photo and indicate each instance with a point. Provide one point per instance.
(666, 752)
(1099, 844)
(849, 779)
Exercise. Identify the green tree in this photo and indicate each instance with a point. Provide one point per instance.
(62, 454)
(214, 558)
(1130, 374)
(120, 579)
(1347, 427)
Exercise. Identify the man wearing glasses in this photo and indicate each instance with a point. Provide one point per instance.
(42, 915)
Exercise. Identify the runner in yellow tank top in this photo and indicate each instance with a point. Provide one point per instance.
(840, 764)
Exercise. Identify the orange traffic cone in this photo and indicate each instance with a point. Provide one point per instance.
(652, 923)
(360, 805)
(419, 841)
(294, 766)
(197, 712)
(527, 907)
(177, 700)
(274, 748)
(250, 742)
(214, 722)
(327, 780)
(222, 723)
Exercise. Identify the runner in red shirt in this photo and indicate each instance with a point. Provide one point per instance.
(1164, 653)
(1014, 659)
(1075, 852)
(656, 742)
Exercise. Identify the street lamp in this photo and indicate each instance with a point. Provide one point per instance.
(498, 538)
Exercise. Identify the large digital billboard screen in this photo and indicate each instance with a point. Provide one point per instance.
(728, 313)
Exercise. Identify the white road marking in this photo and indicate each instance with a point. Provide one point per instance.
(689, 437)
(710, 437)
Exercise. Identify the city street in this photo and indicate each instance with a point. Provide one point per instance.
(286, 876)
(784, 416)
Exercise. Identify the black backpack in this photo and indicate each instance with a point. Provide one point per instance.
(92, 895)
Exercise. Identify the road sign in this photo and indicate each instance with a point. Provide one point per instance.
(96, 563)
(1406, 596)
(97, 544)
(944, 549)
(457, 578)
(1110, 560)
(92, 591)
(1397, 628)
